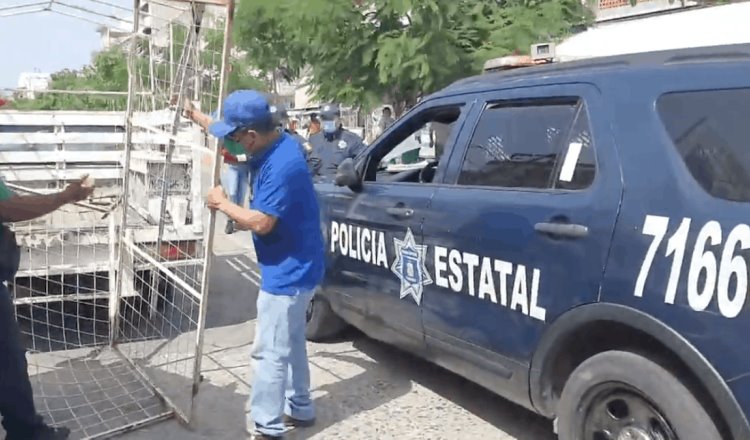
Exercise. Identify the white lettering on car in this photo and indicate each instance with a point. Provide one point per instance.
(524, 295)
(359, 243)
(707, 277)
(484, 278)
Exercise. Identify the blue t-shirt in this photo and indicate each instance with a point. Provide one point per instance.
(291, 258)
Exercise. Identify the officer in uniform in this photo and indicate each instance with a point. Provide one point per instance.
(332, 144)
(281, 119)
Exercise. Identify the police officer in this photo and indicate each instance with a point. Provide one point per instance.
(332, 144)
(281, 119)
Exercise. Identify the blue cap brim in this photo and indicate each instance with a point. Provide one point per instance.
(221, 129)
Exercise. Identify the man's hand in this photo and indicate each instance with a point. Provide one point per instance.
(77, 191)
(188, 106)
(216, 197)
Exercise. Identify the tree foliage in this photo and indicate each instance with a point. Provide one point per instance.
(108, 72)
(360, 52)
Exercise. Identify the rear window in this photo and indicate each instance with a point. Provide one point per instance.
(711, 131)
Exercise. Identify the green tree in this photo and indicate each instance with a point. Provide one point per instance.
(359, 52)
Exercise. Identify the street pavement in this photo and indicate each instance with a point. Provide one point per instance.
(362, 389)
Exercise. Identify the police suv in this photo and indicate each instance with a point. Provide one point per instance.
(579, 244)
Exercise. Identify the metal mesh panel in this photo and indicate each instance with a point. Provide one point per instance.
(162, 257)
(110, 292)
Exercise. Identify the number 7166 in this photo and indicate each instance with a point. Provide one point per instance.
(717, 274)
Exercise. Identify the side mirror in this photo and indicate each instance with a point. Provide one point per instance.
(346, 175)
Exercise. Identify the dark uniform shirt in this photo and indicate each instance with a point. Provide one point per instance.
(329, 150)
(299, 138)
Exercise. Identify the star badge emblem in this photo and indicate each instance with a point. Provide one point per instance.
(409, 267)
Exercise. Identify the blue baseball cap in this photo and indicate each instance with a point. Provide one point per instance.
(242, 109)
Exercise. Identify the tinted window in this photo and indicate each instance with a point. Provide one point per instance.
(711, 131)
(524, 146)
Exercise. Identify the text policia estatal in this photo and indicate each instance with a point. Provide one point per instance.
(500, 282)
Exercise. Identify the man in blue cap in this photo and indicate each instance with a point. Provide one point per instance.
(332, 144)
(284, 217)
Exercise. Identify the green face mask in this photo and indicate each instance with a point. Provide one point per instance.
(5, 192)
(234, 148)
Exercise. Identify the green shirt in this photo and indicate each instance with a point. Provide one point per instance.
(234, 148)
(5, 192)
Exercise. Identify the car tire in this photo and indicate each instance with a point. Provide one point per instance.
(322, 321)
(619, 394)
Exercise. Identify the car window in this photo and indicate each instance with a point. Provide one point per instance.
(711, 133)
(531, 145)
(415, 150)
(577, 164)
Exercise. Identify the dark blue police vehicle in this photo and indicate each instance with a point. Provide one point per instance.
(579, 244)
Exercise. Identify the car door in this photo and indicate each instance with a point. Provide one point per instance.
(375, 232)
(521, 230)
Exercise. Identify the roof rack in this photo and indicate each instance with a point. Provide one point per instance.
(543, 53)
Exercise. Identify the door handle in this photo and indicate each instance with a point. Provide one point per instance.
(399, 211)
(562, 229)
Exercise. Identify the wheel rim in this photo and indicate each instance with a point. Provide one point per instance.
(618, 412)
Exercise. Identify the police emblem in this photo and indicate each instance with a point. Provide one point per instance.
(409, 266)
(342, 144)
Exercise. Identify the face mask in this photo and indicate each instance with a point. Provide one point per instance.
(329, 126)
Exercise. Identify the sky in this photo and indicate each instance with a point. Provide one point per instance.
(47, 41)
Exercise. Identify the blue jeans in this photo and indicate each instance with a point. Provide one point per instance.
(235, 182)
(282, 372)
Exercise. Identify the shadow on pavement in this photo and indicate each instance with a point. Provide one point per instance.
(232, 296)
(391, 375)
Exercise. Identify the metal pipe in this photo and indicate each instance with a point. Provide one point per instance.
(112, 5)
(114, 306)
(185, 60)
(27, 5)
(72, 92)
(209, 243)
(16, 14)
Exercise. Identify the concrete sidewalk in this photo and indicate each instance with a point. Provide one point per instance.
(362, 389)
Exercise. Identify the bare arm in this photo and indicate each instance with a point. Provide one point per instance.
(248, 219)
(22, 208)
(195, 115)
(202, 119)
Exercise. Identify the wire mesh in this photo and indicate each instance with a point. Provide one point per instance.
(63, 287)
(109, 292)
(178, 56)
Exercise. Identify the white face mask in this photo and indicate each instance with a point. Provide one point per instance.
(329, 126)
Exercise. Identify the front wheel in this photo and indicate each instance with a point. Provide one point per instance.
(618, 395)
(322, 321)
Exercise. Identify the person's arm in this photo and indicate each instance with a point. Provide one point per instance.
(248, 219)
(195, 115)
(271, 202)
(22, 208)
